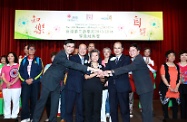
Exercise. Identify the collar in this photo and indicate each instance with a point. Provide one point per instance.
(67, 55)
(13, 64)
(81, 57)
(119, 57)
(29, 57)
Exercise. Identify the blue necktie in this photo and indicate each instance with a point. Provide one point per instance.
(116, 61)
(82, 61)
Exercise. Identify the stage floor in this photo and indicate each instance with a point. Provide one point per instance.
(158, 117)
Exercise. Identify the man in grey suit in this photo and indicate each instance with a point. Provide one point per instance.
(142, 80)
(52, 78)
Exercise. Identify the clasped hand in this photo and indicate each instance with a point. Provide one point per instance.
(101, 73)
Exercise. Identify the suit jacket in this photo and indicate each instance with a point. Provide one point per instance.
(55, 74)
(121, 82)
(140, 73)
(75, 78)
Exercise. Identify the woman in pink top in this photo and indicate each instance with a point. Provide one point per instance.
(183, 87)
(11, 86)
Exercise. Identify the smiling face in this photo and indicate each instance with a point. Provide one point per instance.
(3, 60)
(183, 57)
(118, 49)
(133, 52)
(171, 57)
(91, 47)
(94, 57)
(82, 50)
(106, 53)
(11, 58)
(147, 52)
(69, 48)
(31, 50)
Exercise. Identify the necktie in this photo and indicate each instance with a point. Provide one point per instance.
(82, 61)
(66, 74)
(116, 61)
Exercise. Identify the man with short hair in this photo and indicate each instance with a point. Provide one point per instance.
(73, 89)
(119, 87)
(142, 80)
(52, 78)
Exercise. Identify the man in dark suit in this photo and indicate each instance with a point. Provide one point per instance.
(119, 86)
(52, 78)
(142, 80)
(91, 46)
(73, 89)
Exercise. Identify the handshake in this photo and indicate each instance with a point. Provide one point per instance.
(100, 73)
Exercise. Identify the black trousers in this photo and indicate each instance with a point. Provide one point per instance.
(29, 97)
(92, 105)
(119, 99)
(39, 108)
(183, 106)
(72, 99)
(174, 109)
(146, 101)
(48, 106)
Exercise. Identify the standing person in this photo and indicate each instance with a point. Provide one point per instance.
(51, 81)
(119, 86)
(105, 108)
(170, 81)
(142, 80)
(183, 86)
(11, 86)
(48, 103)
(25, 53)
(151, 66)
(74, 88)
(91, 46)
(30, 70)
(92, 90)
(3, 62)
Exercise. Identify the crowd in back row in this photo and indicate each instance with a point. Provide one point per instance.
(100, 95)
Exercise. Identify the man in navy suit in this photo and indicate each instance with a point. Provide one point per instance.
(73, 89)
(119, 86)
(142, 80)
(52, 78)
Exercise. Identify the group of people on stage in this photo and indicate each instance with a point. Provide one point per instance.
(94, 87)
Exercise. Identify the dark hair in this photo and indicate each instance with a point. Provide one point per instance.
(169, 52)
(53, 54)
(91, 43)
(4, 56)
(69, 41)
(30, 45)
(15, 57)
(182, 52)
(95, 51)
(147, 48)
(135, 45)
